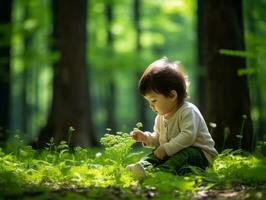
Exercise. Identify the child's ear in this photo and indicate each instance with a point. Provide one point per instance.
(173, 95)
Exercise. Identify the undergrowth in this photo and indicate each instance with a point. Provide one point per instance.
(57, 167)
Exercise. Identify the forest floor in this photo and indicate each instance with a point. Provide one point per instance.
(59, 172)
(236, 192)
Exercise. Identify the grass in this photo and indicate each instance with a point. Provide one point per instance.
(85, 173)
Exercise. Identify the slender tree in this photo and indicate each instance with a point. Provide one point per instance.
(201, 87)
(70, 103)
(254, 15)
(111, 93)
(5, 32)
(227, 97)
(26, 74)
(141, 102)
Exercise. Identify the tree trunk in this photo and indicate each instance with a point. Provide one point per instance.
(253, 28)
(141, 102)
(201, 86)
(5, 21)
(111, 94)
(227, 93)
(70, 103)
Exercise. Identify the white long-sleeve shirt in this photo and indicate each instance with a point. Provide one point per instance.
(185, 128)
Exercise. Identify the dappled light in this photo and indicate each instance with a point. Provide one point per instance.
(56, 168)
(133, 99)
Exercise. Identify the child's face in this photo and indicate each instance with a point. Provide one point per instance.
(161, 104)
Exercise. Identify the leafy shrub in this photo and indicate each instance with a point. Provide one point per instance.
(117, 147)
(23, 168)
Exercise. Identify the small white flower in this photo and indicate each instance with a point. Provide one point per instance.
(213, 125)
(99, 154)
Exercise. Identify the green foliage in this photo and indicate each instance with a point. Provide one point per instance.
(168, 185)
(261, 148)
(57, 167)
(235, 167)
(117, 147)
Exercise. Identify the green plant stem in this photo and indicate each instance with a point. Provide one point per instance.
(70, 133)
(240, 136)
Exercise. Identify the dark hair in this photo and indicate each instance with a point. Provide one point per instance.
(163, 76)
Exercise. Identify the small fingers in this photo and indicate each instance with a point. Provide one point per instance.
(139, 136)
(135, 135)
(158, 154)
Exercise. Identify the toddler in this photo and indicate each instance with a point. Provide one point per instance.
(180, 137)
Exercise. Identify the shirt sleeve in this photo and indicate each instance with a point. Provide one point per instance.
(188, 124)
(153, 138)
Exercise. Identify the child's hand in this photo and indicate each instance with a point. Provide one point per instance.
(139, 136)
(160, 152)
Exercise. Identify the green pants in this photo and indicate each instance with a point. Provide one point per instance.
(178, 163)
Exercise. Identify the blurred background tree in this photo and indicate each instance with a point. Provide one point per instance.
(70, 101)
(255, 23)
(5, 33)
(122, 38)
(227, 94)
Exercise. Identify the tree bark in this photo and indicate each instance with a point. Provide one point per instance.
(70, 103)
(201, 86)
(141, 102)
(5, 21)
(227, 93)
(111, 94)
